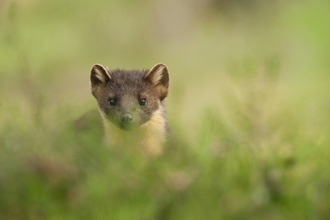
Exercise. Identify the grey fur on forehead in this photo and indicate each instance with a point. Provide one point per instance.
(134, 74)
(129, 80)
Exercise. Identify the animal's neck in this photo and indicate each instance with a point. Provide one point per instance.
(150, 136)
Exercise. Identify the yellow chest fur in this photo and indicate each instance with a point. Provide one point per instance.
(149, 137)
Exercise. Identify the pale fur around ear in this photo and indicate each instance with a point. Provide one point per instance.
(99, 75)
(159, 75)
(160, 79)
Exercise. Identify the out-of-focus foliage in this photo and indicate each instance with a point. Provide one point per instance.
(248, 106)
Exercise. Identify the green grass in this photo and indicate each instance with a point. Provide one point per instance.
(248, 105)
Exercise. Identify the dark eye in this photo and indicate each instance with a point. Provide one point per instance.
(143, 102)
(112, 102)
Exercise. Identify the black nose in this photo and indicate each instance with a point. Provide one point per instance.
(126, 118)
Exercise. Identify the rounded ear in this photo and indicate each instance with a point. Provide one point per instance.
(99, 75)
(159, 75)
(159, 78)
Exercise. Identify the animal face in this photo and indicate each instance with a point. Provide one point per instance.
(128, 98)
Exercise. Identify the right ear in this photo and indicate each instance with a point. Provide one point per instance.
(99, 75)
(159, 78)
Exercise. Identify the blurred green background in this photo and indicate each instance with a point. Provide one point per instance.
(248, 105)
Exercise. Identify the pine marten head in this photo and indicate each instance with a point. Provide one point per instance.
(128, 98)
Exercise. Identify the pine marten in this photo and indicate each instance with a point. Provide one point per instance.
(131, 104)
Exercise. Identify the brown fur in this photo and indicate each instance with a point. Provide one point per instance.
(126, 88)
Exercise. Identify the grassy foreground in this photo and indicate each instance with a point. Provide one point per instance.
(249, 108)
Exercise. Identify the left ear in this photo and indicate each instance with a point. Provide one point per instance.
(160, 78)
